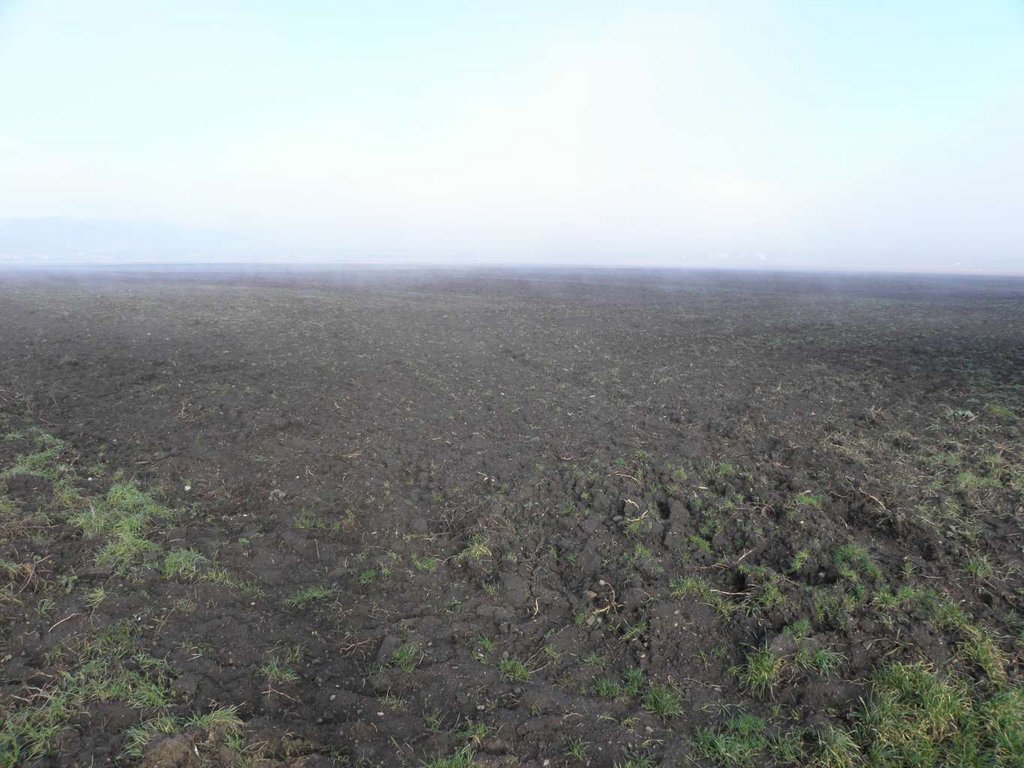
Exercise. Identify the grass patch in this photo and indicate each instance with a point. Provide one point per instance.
(762, 672)
(513, 670)
(824, 661)
(607, 688)
(855, 563)
(425, 564)
(979, 567)
(105, 670)
(225, 578)
(765, 590)
(223, 719)
(836, 748)
(634, 682)
(122, 518)
(739, 743)
(42, 462)
(275, 671)
(968, 482)
(980, 648)
(407, 657)
(476, 549)
(809, 500)
(634, 759)
(662, 701)
(703, 591)
(633, 631)
(800, 559)
(975, 643)
(1001, 412)
(576, 749)
(182, 564)
(461, 759)
(308, 596)
(914, 717)
(745, 741)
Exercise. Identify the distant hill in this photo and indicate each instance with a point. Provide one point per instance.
(71, 240)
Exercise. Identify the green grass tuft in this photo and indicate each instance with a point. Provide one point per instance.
(122, 518)
(739, 744)
(855, 563)
(107, 669)
(407, 657)
(915, 717)
(663, 702)
(513, 670)
(762, 672)
(308, 596)
(607, 688)
(182, 564)
(461, 759)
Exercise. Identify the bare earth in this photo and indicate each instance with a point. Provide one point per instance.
(510, 518)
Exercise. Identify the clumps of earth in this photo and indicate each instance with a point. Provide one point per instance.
(511, 519)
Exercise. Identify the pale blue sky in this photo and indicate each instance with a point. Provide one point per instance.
(831, 134)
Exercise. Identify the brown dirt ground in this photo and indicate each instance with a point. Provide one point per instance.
(588, 473)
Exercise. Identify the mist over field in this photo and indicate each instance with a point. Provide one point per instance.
(782, 135)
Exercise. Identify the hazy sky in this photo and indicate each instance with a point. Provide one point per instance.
(836, 134)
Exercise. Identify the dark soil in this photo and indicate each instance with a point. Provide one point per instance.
(592, 474)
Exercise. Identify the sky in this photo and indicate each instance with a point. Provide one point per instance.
(833, 135)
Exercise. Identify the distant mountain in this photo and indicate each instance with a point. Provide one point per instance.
(71, 240)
